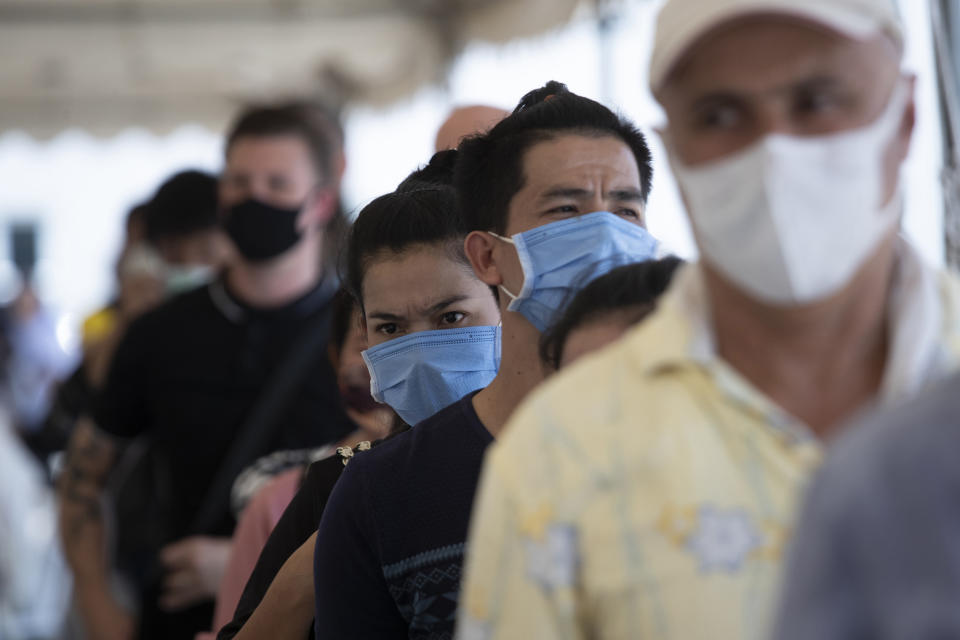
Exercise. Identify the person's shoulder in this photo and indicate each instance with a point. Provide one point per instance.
(442, 432)
(922, 433)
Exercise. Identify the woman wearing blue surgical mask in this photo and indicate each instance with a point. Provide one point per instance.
(433, 338)
(431, 325)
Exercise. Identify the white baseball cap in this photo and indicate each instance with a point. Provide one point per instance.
(682, 23)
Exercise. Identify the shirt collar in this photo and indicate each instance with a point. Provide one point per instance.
(918, 349)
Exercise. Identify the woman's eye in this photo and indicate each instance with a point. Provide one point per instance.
(388, 328)
(453, 317)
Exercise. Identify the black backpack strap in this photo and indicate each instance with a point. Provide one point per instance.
(256, 431)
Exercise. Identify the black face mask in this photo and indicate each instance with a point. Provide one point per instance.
(262, 231)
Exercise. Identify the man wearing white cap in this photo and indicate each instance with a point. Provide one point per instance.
(650, 491)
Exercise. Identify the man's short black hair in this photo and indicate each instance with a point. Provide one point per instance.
(490, 166)
(185, 203)
(632, 288)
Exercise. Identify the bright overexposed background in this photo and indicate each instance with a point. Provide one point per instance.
(78, 188)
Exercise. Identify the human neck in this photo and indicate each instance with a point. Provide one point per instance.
(520, 371)
(279, 281)
(820, 362)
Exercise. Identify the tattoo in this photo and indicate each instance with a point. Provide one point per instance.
(89, 459)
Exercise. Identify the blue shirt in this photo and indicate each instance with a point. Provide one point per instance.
(389, 551)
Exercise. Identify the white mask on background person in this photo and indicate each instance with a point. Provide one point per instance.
(790, 219)
(183, 278)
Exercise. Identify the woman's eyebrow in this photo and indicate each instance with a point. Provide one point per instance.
(383, 315)
(446, 303)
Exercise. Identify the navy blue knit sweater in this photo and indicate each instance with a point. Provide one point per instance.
(389, 552)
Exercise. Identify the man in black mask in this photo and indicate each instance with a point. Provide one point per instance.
(211, 381)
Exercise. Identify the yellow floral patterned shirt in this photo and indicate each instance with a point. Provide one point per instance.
(650, 491)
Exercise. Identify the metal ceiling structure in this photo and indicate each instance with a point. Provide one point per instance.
(106, 64)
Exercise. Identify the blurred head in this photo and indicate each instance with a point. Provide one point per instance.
(348, 341)
(280, 185)
(181, 221)
(603, 310)
(557, 156)
(466, 121)
(760, 98)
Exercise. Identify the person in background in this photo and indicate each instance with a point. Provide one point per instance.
(172, 243)
(605, 309)
(668, 469)
(34, 581)
(562, 175)
(262, 492)
(196, 371)
(875, 554)
(418, 298)
(183, 225)
(466, 121)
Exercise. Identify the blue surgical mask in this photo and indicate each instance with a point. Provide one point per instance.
(421, 373)
(560, 258)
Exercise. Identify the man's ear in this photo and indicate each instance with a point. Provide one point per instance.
(321, 206)
(479, 247)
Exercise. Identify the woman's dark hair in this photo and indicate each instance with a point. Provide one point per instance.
(436, 173)
(489, 170)
(422, 211)
(632, 288)
(399, 220)
(341, 318)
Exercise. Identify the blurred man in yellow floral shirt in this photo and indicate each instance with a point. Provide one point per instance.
(649, 491)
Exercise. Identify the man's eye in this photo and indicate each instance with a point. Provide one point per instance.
(564, 208)
(628, 213)
(719, 118)
(815, 103)
(387, 328)
(453, 317)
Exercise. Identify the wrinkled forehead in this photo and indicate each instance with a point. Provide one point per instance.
(769, 52)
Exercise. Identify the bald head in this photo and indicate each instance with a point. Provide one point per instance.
(466, 121)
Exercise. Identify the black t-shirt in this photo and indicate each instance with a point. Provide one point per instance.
(189, 372)
(298, 522)
(390, 545)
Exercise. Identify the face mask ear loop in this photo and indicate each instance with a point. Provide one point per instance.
(503, 288)
(374, 386)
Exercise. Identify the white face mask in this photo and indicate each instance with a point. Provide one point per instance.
(185, 278)
(790, 219)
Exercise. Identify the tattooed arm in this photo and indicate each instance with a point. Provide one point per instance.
(90, 457)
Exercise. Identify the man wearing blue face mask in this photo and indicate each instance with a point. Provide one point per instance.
(663, 490)
(561, 175)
